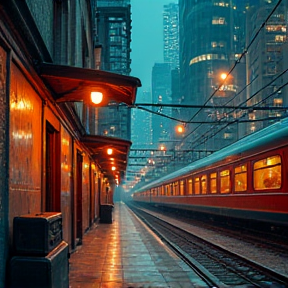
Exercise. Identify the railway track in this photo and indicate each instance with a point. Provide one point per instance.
(217, 266)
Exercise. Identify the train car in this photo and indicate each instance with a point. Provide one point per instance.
(245, 180)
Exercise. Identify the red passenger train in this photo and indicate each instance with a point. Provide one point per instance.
(246, 180)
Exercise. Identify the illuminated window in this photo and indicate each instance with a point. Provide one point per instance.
(278, 102)
(182, 187)
(267, 173)
(221, 4)
(214, 44)
(280, 38)
(213, 182)
(225, 181)
(167, 190)
(240, 180)
(218, 20)
(190, 186)
(175, 188)
(207, 57)
(204, 184)
(197, 185)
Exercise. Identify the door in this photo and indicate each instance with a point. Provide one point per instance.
(79, 197)
(53, 195)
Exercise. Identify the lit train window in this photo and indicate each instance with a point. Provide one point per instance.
(190, 186)
(176, 188)
(240, 180)
(267, 173)
(213, 183)
(162, 190)
(197, 185)
(167, 190)
(182, 187)
(225, 181)
(204, 184)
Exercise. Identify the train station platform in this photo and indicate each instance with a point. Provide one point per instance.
(126, 254)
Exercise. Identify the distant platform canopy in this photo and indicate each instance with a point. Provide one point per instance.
(109, 152)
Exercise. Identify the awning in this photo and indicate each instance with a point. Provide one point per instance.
(74, 84)
(98, 147)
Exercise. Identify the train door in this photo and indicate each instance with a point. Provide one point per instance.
(79, 197)
(53, 195)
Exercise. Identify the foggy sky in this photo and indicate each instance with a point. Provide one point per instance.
(147, 38)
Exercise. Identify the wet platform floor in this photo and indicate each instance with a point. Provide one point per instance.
(125, 254)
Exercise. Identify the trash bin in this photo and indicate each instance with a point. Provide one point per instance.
(106, 213)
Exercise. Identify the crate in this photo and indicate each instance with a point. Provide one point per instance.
(37, 234)
(51, 271)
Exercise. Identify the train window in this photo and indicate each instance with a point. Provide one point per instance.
(176, 188)
(204, 184)
(267, 173)
(190, 186)
(171, 189)
(167, 190)
(213, 183)
(182, 187)
(225, 181)
(197, 185)
(162, 190)
(240, 178)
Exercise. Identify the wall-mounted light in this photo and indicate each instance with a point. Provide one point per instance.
(96, 97)
(113, 168)
(109, 151)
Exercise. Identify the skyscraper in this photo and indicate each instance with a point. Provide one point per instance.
(113, 35)
(265, 60)
(171, 34)
(161, 93)
(210, 43)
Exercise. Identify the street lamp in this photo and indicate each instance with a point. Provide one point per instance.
(180, 129)
(223, 76)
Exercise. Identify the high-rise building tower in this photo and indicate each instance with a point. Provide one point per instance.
(210, 43)
(171, 34)
(113, 36)
(266, 60)
(142, 124)
(161, 93)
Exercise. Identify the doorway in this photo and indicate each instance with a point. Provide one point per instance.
(79, 225)
(53, 195)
